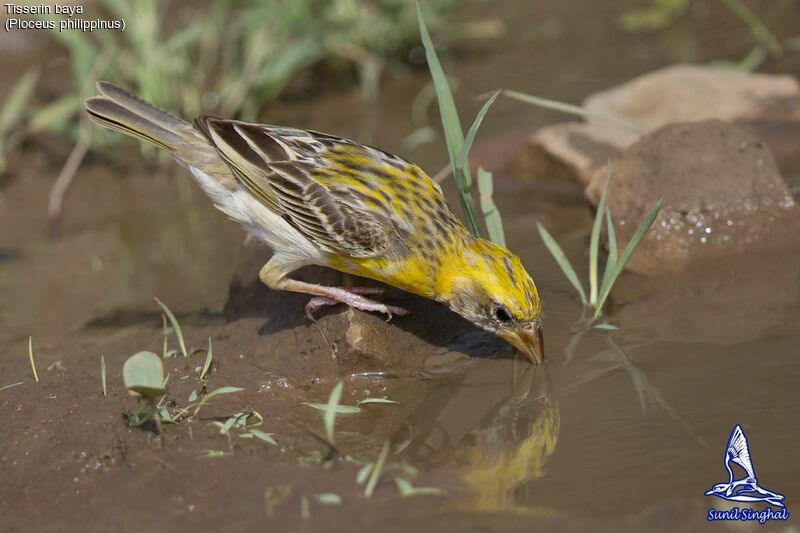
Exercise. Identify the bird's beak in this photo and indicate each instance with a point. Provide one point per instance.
(528, 340)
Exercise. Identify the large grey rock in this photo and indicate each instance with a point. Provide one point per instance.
(767, 105)
(722, 194)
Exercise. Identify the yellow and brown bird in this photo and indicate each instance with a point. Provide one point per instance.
(317, 199)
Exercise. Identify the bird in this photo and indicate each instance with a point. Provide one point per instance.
(319, 199)
(747, 488)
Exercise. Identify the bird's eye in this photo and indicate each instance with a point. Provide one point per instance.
(502, 314)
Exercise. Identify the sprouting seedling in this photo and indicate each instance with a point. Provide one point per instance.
(175, 326)
(204, 401)
(143, 374)
(331, 409)
(615, 264)
(30, 357)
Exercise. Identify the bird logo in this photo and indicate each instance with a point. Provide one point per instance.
(745, 489)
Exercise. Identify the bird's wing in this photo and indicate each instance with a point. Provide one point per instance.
(739, 451)
(288, 171)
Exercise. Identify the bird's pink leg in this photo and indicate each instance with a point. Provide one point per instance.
(351, 296)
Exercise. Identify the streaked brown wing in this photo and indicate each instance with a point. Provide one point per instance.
(278, 166)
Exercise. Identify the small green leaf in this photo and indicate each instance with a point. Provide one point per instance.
(329, 417)
(376, 400)
(193, 396)
(103, 374)
(209, 357)
(594, 242)
(339, 409)
(473, 130)
(261, 435)
(605, 326)
(329, 498)
(30, 357)
(491, 215)
(561, 258)
(143, 374)
(407, 489)
(175, 326)
(612, 249)
(363, 473)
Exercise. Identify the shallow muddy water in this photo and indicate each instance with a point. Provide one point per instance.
(617, 431)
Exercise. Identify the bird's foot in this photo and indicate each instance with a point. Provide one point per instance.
(353, 297)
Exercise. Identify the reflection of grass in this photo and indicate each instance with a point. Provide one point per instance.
(650, 396)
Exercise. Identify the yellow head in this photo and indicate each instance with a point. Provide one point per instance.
(488, 286)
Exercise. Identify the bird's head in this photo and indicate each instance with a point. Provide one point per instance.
(719, 488)
(488, 286)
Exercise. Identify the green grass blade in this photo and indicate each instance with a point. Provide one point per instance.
(473, 130)
(491, 215)
(644, 227)
(451, 124)
(209, 358)
(563, 107)
(377, 470)
(30, 356)
(103, 374)
(14, 106)
(612, 249)
(175, 326)
(17, 384)
(594, 242)
(561, 258)
(329, 417)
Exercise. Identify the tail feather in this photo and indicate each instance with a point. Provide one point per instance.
(122, 111)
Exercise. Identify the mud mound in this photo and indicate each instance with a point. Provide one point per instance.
(722, 194)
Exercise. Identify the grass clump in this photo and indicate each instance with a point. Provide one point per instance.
(615, 264)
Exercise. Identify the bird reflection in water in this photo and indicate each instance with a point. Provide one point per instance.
(513, 444)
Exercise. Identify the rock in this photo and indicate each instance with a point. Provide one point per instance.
(362, 342)
(572, 150)
(767, 105)
(722, 194)
(682, 93)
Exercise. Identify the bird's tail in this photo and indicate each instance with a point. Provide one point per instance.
(120, 110)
